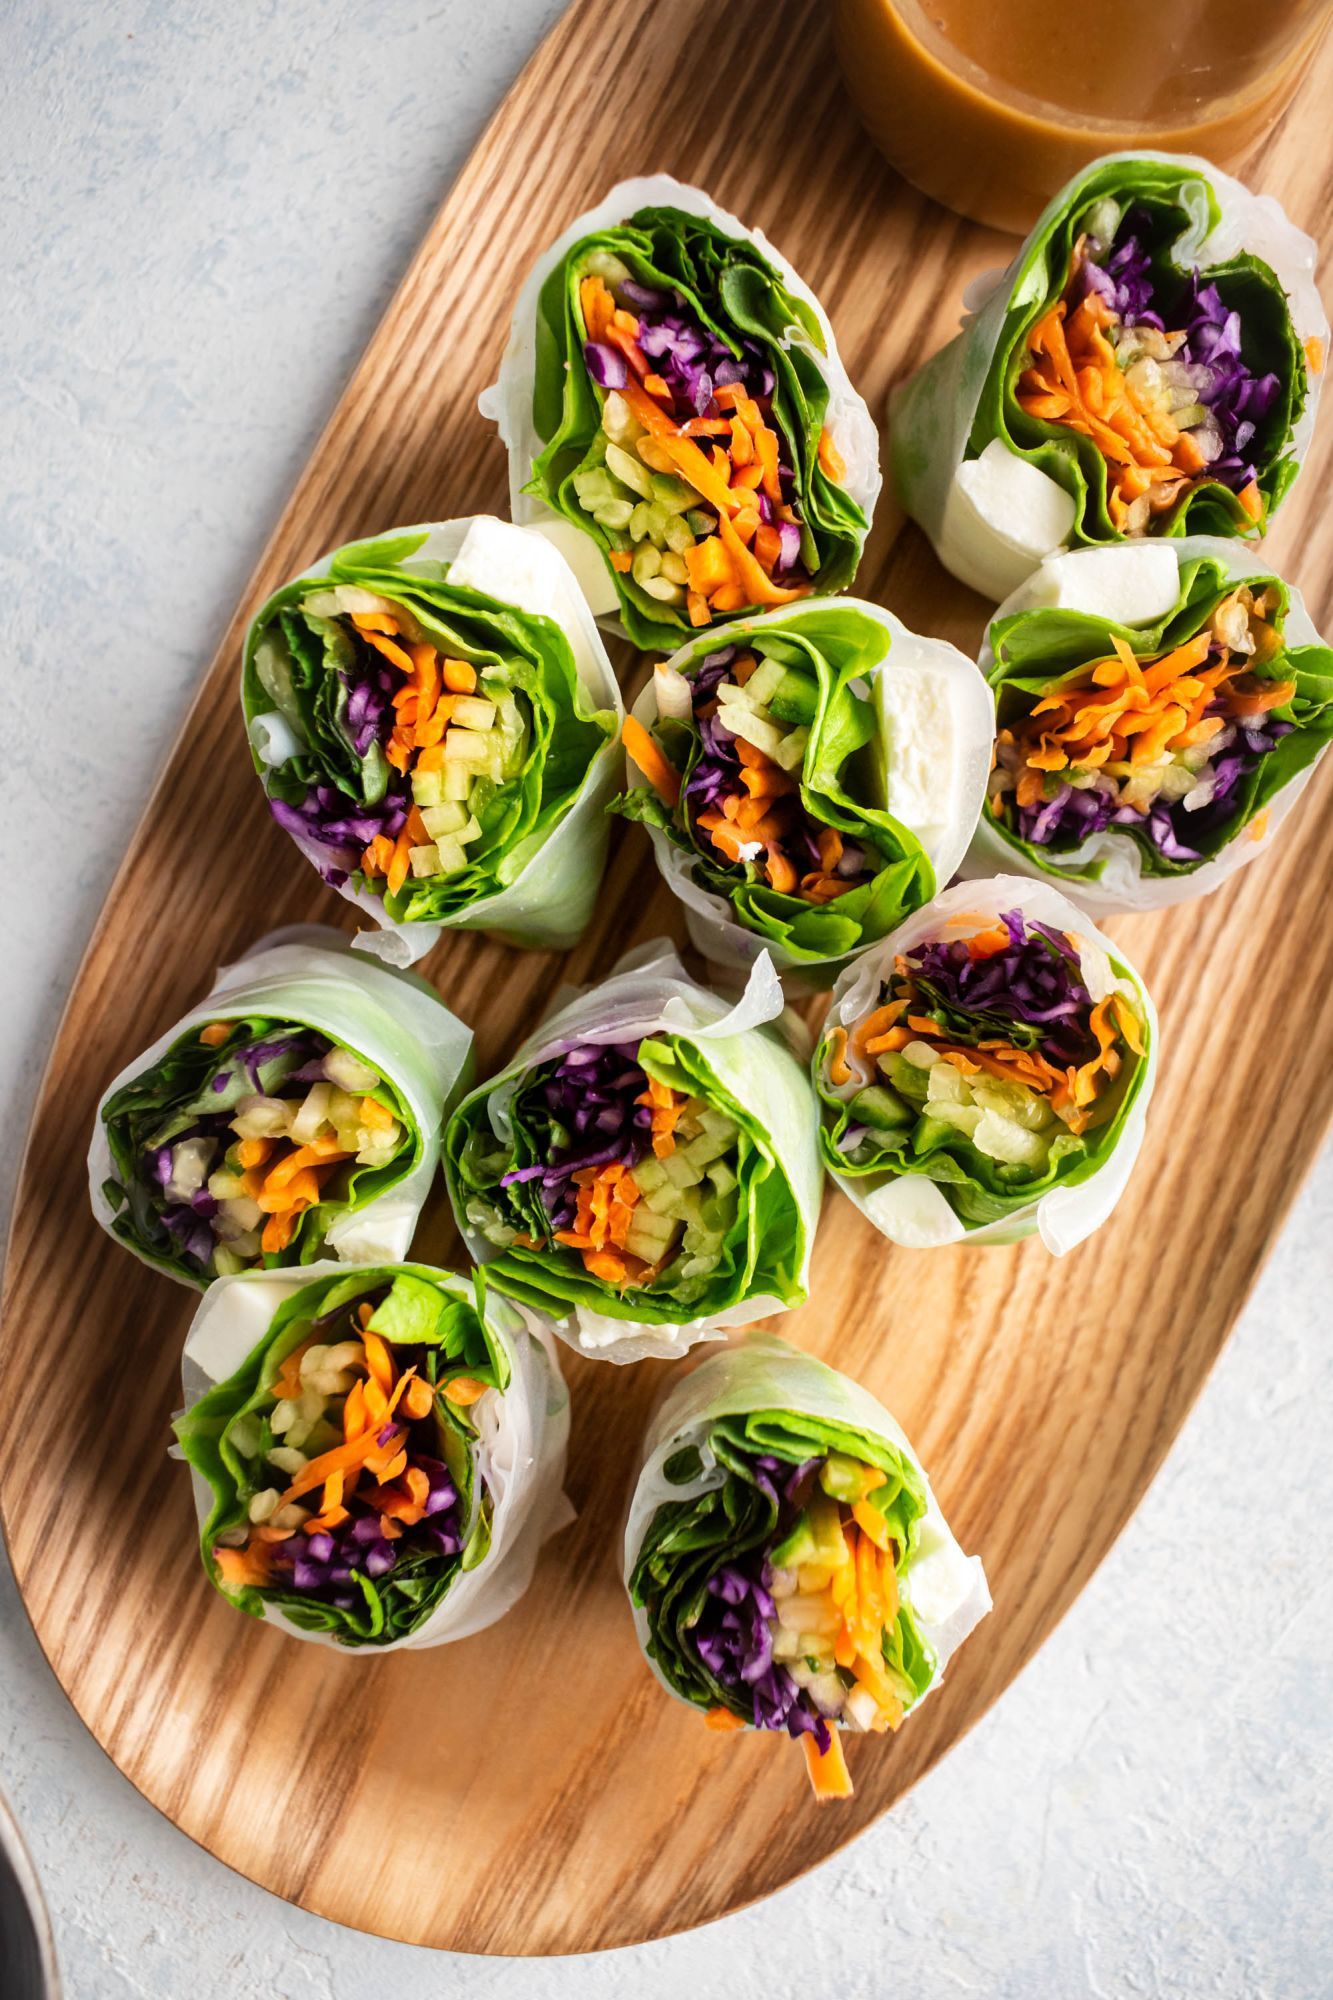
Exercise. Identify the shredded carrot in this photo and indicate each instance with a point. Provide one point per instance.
(662, 776)
(215, 1033)
(829, 1776)
(464, 1390)
(831, 458)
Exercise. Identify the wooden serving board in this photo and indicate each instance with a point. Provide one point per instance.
(531, 1790)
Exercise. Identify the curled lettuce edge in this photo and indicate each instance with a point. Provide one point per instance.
(551, 885)
(509, 401)
(1105, 875)
(875, 643)
(394, 1021)
(759, 1375)
(936, 417)
(749, 1068)
(911, 1209)
(241, 1330)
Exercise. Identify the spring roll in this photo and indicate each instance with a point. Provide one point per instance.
(645, 1171)
(810, 781)
(295, 1113)
(788, 1565)
(1159, 708)
(434, 716)
(1148, 365)
(985, 1072)
(678, 417)
(377, 1454)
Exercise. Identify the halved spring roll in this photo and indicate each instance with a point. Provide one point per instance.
(294, 1113)
(645, 1169)
(433, 717)
(1148, 365)
(810, 780)
(1159, 710)
(677, 413)
(377, 1454)
(788, 1565)
(986, 1071)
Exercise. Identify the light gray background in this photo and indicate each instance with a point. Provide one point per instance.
(204, 207)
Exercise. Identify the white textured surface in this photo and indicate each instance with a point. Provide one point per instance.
(204, 207)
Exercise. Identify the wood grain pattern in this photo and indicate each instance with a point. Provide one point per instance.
(530, 1791)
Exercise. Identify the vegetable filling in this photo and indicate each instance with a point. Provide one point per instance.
(741, 802)
(634, 1177)
(984, 1064)
(773, 1598)
(239, 1146)
(1149, 365)
(437, 744)
(357, 1498)
(687, 476)
(1164, 744)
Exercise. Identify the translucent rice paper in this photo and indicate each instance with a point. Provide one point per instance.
(523, 1435)
(552, 887)
(937, 720)
(648, 993)
(910, 1209)
(508, 402)
(395, 1021)
(1082, 581)
(931, 415)
(946, 1589)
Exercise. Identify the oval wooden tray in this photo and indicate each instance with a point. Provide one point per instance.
(530, 1790)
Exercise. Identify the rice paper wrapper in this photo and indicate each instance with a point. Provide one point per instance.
(649, 992)
(523, 1437)
(548, 900)
(912, 1210)
(395, 1021)
(1135, 584)
(932, 414)
(508, 402)
(946, 1589)
(937, 726)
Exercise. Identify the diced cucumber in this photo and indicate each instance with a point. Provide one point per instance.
(664, 590)
(649, 1174)
(426, 787)
(909, 1081)
(766, 676)
(467, 746)
(790, 753)
(752, 728)
(720, 1177)
(424, 860)
(717, 1122)
(469, 832)
(457, 782)
(847, 1478)
(447, 817)
(795, 698)
(931, 1133)
(701, 1152)
(630, 470)
(701, 521)
(472, 711)
(619, 421)
(647, 562)
(662, 1200)
(225, 1262)
(673, 568)
(672, 493)
(452, 856)
(650, 1236)
(678, 534)
(883, 1108)
(614, 514)
(681, 1170)
(814, 1537)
